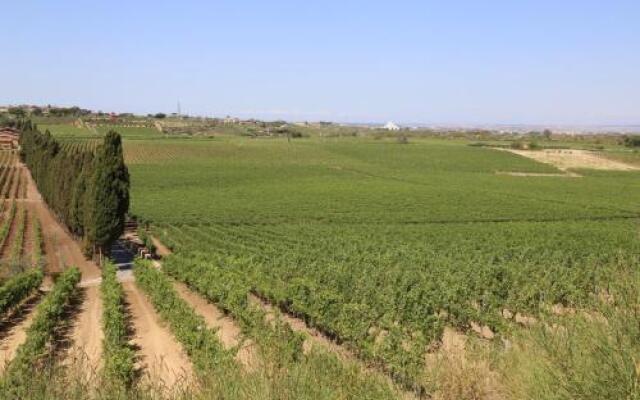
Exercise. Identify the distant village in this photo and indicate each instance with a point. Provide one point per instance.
(176, 122)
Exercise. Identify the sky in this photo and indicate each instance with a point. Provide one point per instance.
(432, 62)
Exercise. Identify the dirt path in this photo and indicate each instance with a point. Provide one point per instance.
(87, 334)
(228, 331)
(14, 330)
(161, 249)
(62, 251)
(161, 356)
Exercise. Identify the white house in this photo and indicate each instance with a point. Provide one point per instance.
(390, 126)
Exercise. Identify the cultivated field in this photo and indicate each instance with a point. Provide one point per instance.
(334, 268)
(391, 250)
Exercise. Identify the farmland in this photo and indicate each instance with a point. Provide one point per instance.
(382, 247)
(332, 267)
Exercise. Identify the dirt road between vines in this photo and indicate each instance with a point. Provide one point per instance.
(227, 329)
(160, 355)
(13, 330)
(61, 251)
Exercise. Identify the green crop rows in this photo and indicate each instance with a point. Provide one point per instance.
(18, 288)
(39, 335)
(379, 245)
(118, 354)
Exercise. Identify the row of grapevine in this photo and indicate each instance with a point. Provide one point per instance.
(6, 225)
(79, 146)
(281, 349)
(118, 355)
(388, 293)
(48, 316)
(18, 288)
(189, 328)
(38, 242)
(16, 246)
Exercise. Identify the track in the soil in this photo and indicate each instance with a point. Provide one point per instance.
(227, 329)
(160, 355)
(13, 329)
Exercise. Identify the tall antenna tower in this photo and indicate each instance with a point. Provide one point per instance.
(179, 114)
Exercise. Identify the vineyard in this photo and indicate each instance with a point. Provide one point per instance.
(329, 268)
(383, 248)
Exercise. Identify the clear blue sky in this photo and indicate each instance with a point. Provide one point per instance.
(543, 61)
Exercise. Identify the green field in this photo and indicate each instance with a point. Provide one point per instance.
(382, 246)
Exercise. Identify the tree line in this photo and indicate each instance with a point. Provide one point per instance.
(88, 191)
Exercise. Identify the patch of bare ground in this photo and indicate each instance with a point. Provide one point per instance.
(86, 335)
(161, 358)
(455, 374)
(161, 249)
(13, 329)
(540, 175)
(227, 329)
(567, 159)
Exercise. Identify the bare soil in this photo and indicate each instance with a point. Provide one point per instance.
(226, 328)
(87, 335)
(537, 174)
(14, 330)
(161, 356)
(161, 249)
(568, 159)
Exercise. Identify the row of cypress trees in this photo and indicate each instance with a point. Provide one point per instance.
(89, 191)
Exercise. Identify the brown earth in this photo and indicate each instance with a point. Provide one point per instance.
(537, 174)
(161, 249)
(161, 356)
(14, 330)
(575, 159)
(226, 328)
(86, 334)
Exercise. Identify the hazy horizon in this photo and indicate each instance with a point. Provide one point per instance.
(466, 63)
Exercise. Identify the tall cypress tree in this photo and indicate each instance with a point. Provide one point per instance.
(110, 192)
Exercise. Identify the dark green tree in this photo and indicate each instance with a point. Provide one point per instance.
(110, 194)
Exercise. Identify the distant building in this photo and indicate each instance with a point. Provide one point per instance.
(390, 126)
